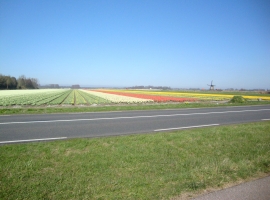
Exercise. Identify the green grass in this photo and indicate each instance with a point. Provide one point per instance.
(103, 108)
(144, 166)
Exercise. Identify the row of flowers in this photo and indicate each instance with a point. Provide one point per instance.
(72, 97)
(201, 96)
(117, 98)
(62, 96)
(31, 97)
(91, 99)
(14, 93)
(152, 97)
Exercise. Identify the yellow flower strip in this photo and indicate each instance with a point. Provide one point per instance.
(257, 97)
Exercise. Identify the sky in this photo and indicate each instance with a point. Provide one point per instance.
(124, 43)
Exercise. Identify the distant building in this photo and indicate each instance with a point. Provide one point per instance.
(50, 86)
(150, 87)
(75, 86)
(229, 89)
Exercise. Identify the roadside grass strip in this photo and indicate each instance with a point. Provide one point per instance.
(144, 166)
(117, 98)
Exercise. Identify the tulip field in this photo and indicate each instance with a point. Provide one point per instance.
(62, 97)
(48, 97)
(190, 96)
(156, 98)
(101, 97)
(114, 98)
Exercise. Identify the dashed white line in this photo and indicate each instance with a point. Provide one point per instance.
(187, 127)
(32, 140)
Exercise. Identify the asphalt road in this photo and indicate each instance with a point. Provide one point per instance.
(253, 190)
(26, 128)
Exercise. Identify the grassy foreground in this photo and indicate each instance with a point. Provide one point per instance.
(147, 166)
(116, 107)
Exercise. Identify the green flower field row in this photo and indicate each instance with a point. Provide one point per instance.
(48, 97)
(61, 97)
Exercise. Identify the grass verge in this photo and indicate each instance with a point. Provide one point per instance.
(71, 109)
(147, 166)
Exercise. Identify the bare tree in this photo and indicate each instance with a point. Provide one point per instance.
(8, 81)
(21, 82)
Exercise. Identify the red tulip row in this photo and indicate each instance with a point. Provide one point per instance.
(152, 97)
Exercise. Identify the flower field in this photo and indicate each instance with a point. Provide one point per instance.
(156, 98)
(62, 97)
(114, 98)
(48, 97)
(89, 97)
(198, 96)
(31, 97)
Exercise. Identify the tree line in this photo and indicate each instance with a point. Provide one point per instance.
(8, 82)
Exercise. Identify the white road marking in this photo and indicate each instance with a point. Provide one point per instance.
(187, 127)
(265, 119)
(133, 117)
(79, 113)
(32, 140)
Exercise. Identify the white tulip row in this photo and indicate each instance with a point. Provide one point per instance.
(9, 93)
(30, 97)
(118, 98)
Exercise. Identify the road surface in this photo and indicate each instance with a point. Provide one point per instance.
(42, 127)
(253, 190)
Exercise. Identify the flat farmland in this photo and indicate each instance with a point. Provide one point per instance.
(48, 97)
(149, 96)
(101, 97)
(193, 96)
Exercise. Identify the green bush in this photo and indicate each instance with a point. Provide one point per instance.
(238, 99)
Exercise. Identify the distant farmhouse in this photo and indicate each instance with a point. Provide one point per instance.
(150, 87)
(75, 86)
(50, 86)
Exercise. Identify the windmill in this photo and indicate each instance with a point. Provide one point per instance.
(211, 86)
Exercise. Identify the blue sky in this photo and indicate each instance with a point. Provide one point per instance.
(181, 43)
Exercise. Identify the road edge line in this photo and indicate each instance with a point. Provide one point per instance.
(187, 127)
(32, 140)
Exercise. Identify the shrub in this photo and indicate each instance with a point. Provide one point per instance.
(238, 99)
